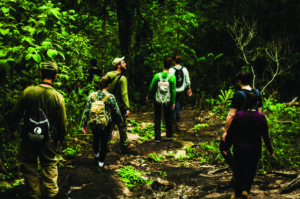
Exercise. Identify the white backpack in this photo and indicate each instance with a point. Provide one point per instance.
(163, 95)
(98, 116)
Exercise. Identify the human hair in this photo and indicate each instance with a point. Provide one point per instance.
(104, 82)
(167, 62)
(177, 59)
(251, 101)
(93, 62)
(245, 77)
(48, 74)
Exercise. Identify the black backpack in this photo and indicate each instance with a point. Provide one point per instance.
(179, 77)
(38, 125)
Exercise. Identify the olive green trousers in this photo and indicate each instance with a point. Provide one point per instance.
(33, 154)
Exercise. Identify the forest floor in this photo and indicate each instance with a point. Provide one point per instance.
(79, 177)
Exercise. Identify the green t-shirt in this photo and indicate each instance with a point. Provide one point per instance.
(121, 92)
(154, 84)
(47, 98)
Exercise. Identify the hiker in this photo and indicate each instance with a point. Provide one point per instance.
(244, 133)
(93, 71)
(163, 87)
(113, 114)
(244, 80)
(43, 110)
(182, 83)
(119, 89)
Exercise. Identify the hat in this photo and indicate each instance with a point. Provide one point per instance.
(49, 66)
(117, 60)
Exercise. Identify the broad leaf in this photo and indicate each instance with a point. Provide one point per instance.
(4, 31)
(5, 10)
(52, 53)
(37, 58)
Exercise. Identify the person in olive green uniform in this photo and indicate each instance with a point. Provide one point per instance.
(114, 115)
(119, 89)
(33, 98)
(166, 107)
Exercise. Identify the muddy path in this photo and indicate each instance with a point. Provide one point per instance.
(79, 177)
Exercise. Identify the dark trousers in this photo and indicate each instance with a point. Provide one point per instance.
(246, 164)
(101, 137)
(166, 108)
(228, 158)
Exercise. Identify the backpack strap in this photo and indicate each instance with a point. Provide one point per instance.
(105, 98)
(243, 93)
(115, 88)
(94, 96)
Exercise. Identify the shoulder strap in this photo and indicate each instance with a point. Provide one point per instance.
(94, 96)
(243, 93)
(115, 88)
(105, 98)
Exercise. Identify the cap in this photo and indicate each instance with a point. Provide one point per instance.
(49, 65)
(117, 60)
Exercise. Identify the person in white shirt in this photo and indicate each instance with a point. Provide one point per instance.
(182, 83)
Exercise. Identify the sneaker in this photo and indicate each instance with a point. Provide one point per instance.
(245, 195)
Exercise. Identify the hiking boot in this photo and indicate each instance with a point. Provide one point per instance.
(244, 195)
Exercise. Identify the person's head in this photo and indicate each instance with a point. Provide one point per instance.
(49, 70)
(119, 63)
(167, 63)
(244, 77)
(251, 101)
(93, 62)
(177, 59)
(104, 82)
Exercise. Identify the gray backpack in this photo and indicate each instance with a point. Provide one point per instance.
(163, 94)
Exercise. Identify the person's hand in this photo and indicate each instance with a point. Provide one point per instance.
(147, 99)
(173, 107)
(190, 92)
(127, 113)
(273, 155)
(84, 130)
(224, 136)
(225, 152)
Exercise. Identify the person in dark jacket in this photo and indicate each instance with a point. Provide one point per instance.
(244, 133)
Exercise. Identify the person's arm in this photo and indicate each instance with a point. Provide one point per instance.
(228, 121)
(188, 82)
(116, 115)
(152, 87)
(173, 90)
(230, 134)
(260, 109)
(62, 119)
(86, 112)
(124, 92)
(265, 135)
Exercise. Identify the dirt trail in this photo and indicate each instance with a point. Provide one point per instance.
(79, 178)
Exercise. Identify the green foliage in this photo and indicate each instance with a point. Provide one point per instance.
(133, 179)
(144, 133)
(156, 157)
(221, 105)
(200, 126)
(210, 152)
(284, 125)
(163, 174)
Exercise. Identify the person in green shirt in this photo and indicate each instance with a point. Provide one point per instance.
(119, 89)
(33, 152)
(163, 100)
